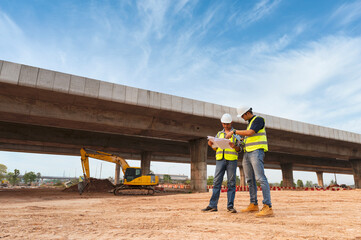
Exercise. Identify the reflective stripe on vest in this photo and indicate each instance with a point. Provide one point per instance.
(257, 140)
(229, 153)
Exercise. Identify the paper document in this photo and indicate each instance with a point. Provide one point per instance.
(222, 143)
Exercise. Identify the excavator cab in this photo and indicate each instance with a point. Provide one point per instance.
(132, 173)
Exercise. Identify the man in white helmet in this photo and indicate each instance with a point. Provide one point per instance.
(226, 160)
(255, 140)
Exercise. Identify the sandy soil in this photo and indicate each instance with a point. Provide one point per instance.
(53, 214)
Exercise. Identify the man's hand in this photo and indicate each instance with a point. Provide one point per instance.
(232, 145)
(210, 143)
(229, 134)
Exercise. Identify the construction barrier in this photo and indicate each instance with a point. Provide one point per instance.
(246, 188)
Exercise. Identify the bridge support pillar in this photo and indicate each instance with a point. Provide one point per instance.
(198, 150)
(356, 168)
(287, 174)
(242, 178)
(145, 162)
(117, 174)
(320, 178)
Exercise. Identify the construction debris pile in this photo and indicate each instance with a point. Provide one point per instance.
(95, 185)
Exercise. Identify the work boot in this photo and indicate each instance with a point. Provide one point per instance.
(231, 210)
(251, 208)
(265, 212)
(209, 209)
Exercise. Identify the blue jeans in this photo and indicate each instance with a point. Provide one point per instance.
(221, 167)
(254, 171)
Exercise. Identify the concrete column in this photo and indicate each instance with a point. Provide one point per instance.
(320, 178)
(145, 162)
(198, 150)
(287, 174)
(242, 177)
(117, 174)
(356, 168)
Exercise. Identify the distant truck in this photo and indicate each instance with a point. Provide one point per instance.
(69, 184)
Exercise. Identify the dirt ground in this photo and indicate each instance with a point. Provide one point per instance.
(54, 214)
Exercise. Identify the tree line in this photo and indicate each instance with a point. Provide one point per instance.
(14, 179)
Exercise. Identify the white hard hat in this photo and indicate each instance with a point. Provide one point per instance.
(226, 118)
(242, 110)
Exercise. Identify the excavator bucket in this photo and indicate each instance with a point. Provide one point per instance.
(83, 183)
(82, 186)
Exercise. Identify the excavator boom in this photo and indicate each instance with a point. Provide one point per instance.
(86, 153)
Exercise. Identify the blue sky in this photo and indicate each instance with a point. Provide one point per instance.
(294, 59)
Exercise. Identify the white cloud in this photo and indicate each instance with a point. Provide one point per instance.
(347, 13)
(180, 5)
(153, 12)
(260, 10)
(11, 37)
(8, 27)
(263, 47)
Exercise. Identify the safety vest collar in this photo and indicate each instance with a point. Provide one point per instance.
(251, 121)
(252, 118)
(233, 139)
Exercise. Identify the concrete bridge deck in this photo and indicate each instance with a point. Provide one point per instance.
(45, 111)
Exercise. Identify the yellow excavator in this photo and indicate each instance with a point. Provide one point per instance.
(133, 178)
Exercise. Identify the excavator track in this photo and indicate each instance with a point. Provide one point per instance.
(133, 190)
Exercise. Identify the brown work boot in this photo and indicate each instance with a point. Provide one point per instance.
(265, 212)
(209, 209)
(231, 210)
(251, 208)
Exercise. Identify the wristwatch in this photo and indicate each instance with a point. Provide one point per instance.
(234, 131)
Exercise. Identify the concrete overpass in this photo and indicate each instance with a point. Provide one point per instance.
(44, 111)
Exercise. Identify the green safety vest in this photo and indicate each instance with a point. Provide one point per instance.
(257, 140)
(228, 154)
